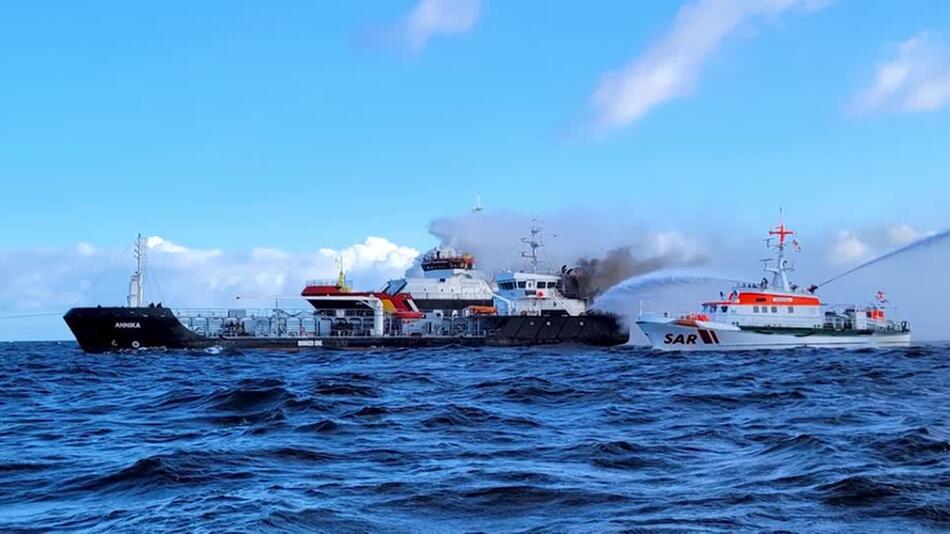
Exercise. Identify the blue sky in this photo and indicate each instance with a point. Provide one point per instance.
(301, 125)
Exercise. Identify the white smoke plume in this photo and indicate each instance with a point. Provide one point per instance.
(569, 237)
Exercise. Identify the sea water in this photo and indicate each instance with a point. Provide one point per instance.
(460, 439)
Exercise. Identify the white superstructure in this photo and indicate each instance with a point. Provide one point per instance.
(524, 293)
(531, 292)
(449, 282)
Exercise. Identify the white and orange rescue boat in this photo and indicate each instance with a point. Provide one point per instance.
(773, 315)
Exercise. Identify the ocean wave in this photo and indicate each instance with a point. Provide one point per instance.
(184, 468)
(499, 439)
(325, 425)
(919, 445)
(345, 389)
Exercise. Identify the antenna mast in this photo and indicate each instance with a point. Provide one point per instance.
(780, 271)
(533, 242)
(137, 281)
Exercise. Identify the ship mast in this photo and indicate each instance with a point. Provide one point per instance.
(781, 269)
(533, 243)
(137, 281)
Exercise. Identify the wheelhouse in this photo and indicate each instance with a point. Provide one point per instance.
(524, 293)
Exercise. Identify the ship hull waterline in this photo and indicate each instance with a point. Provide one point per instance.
(102, 329)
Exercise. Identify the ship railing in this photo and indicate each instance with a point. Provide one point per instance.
(282, 323)
(646, 312)
(240, 313)
(243, 322)
(333, 282)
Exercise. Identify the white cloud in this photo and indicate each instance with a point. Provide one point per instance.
(669, 67)
(430, 18)
(85, 249)
(903, 234)
(375, 251)
(160, 244)
(916, 78)
(853, 246)
(848, 249)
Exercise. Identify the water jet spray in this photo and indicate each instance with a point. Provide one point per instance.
(921, 243)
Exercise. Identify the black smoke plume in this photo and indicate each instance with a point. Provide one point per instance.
(592, 276)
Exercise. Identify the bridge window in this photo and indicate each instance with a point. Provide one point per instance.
(791, 309)
(521, 284)
(774, 309)
(755, 309)
(724, 308)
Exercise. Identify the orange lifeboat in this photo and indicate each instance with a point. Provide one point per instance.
(690, 319)
(482, 310)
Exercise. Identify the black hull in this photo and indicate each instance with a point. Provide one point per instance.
(116, 329)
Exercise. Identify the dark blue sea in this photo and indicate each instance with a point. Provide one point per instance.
(453, 440)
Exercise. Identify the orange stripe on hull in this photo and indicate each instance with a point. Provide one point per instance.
(770, 299)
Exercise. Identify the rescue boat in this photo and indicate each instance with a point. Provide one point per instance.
(775, 314)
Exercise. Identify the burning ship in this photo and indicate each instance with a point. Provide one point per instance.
(451, 304)
(775, 314)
